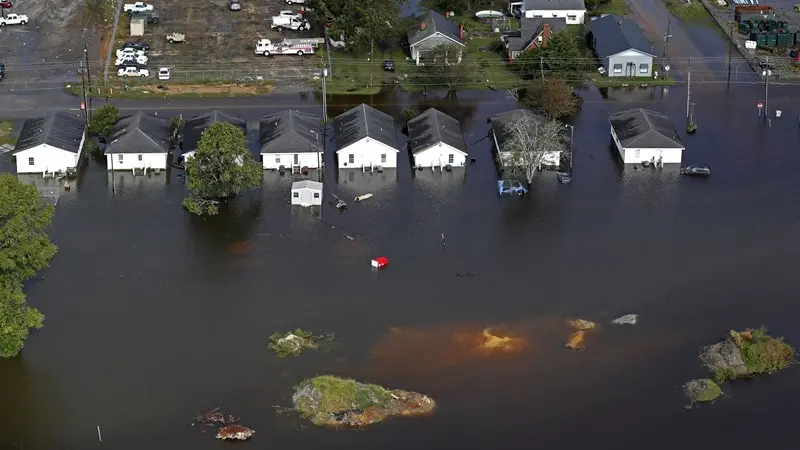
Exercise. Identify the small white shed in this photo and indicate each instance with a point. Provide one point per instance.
(306, 193)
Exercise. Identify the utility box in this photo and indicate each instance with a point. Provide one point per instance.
(137, 25)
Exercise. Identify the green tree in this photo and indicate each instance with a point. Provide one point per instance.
(552, 98)
(103, 120)
(363, 22)
(563, 56)
(220, 168)
(25, 249)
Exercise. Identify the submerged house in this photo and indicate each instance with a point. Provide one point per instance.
(140, 141)
(307, 193)
(501, 135)
(533, 34)
(195, 127)
(291, 139)
(641, 135)
(435, 140)
(50, 144)
(366, 138)
(622, 47)
(435, 30)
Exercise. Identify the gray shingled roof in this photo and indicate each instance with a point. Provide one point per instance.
(530, 28)
(614, 34)
(307, 184)
(432, 22)
(290, 132)
(59, 129)
(498, 124)
(642, 128)
(553, 5)
(196, 125)
(139, 133)
(364, 121)
(433, 127)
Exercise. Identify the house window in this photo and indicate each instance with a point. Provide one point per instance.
(637, 154)
(351, 159)
(277, 159)
(451, 158)
(31, 162)
(120, 157)
(617, 68)
(383, 157)
(140, 157)
(296, 194)
(296, 158)
(316, 194)
(572, 17)
(644, 68)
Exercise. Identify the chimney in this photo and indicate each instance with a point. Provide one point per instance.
(422, 26)
(461, 32)
(546, 33)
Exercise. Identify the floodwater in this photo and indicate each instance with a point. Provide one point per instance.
(153, 314)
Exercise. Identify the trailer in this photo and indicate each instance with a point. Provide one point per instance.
(268, 48)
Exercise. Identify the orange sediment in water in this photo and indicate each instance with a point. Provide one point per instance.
(575, 340)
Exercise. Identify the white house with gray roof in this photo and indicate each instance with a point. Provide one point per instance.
(291, 139)
(574, 11)
(435, 140)
(366, 139)
(140, 141)
(434, 30)
(641, 135)
(50, 144)
(622, 47)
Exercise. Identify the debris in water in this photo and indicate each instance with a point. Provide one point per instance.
(215, 416)
(293, 343)
(467, 274)
(493, 342)
(744, 354)
(235, 432)
(575, 340)
(702, 390)
(363, 197)
(341, 204)
(582, 325)
(627, 319)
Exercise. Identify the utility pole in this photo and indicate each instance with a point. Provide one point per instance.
(324, 95)
(88, 77)
(688, 89)
(83, 85)
(767, 72)
(730, 50)
(541, 66)
(667, 35)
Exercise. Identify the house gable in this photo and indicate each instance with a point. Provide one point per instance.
(371, 143)
(441, 37)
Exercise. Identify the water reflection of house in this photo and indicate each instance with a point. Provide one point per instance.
(195, 127)
(641, 135)
(50, 144)
(128, 182)
(290, 139)
(140, 141)
(358, 182)
(50, 189)
(435, 140)
(366, 139)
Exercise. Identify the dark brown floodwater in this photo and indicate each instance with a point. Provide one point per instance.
(153, 314)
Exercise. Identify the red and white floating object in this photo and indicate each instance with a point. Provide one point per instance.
(380, 262)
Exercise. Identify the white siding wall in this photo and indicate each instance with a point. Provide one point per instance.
(638, 155)
(45, 159)
(573, 17)
(274, 160)
(551, 159)
(305, 197)
(439, 155)
(365, 152)
(131, 161)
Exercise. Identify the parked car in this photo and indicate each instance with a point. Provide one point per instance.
(163, 73)
(234, 5)
(696, 171)
(290, 13)
(128, 51)
(133, 72)
(388, 65)
(137, 7)
(13, 19)
(133, 64)
(5, 4)
(176, 37)
(142, 60)
(137, 45)
(295, 2)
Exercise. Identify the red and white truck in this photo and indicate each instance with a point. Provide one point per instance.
(267, 48)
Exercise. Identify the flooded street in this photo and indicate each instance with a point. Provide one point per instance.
(153, 314)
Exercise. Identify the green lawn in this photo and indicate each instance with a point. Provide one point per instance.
(7, 135)
(491, 69)
(358, 74)
(688, 12)
(618, 7)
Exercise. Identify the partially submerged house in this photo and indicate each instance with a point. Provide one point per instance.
(307, 193)
(435, 140)
(434, 30)
(140, 141)
(622, 47)
(641, 135)
(50, 144)
(573, 11)
(532, 34)
(195, 127)
(291, 139)
(366, 139)
(502, 135)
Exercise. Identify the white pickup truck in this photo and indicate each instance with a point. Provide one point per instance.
(133, 72)
(128, 51)
(142, 60)
(290, 22)
(13, 19)
(267, 48)
(137, 7)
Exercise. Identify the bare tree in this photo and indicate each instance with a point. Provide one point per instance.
(530, 138)
(444, 65)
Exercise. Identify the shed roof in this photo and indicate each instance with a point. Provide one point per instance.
(614, 35)
(290, 131)
(554, 5)
(498, 124)
(530, 28)
(307, 184)
(433, 127)
(59, 129)
(140, 133)
(643, 128)
(364, 121)
(431, 23)
(196, 125)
